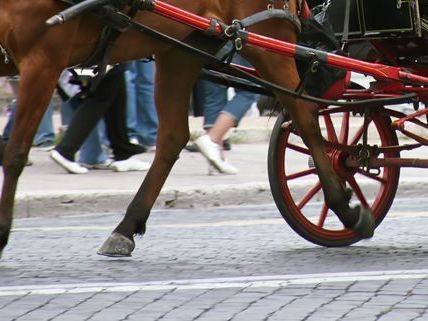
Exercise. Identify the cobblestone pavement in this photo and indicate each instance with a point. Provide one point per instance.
(236, 263)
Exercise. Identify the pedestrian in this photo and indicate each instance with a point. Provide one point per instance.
(107, 101)
(142, 119)
(220, 115)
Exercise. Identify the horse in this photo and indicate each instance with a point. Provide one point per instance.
(39, 53)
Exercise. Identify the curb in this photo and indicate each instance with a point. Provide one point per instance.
(63, 203)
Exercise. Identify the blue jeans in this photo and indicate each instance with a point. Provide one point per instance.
(215, 100)
(142, 119)
(91, 152)
(45, 132)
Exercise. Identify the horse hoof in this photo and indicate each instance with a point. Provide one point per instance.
(117, 245)
(366, 224)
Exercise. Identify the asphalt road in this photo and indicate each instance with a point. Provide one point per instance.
(235, 263)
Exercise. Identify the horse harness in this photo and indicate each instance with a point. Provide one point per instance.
(118, 22)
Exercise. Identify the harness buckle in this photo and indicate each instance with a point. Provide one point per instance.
(229, 32)
(238, 44)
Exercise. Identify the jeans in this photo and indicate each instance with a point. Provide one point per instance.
(216, 99)
(142, 119)
(45, 132)
(91, 152)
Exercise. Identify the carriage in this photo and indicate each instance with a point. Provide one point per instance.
(352, 162)
(362, 142)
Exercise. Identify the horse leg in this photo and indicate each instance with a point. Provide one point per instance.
(176, 73)
(33, 97)
(359, 219)
(305, 119)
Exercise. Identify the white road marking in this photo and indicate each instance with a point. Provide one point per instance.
(272, 281)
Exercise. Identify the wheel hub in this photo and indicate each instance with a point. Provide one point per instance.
(338, 161)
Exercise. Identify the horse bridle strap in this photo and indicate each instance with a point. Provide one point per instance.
(235, 31)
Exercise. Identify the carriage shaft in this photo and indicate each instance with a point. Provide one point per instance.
(286, 48)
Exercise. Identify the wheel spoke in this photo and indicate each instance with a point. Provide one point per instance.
(301, 174)
(357, 190)
(309, 195)
(331, 132)
(372, 176)
(297, 148)
(344, 130)
(359, 134)
(323, 215)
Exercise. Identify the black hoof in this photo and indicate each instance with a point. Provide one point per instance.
(117, 245)
(366, 224)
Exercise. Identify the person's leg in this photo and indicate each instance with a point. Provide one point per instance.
(115, 120)
(45, 133)
(231, 114)
(222, 125)
(131, 100)
(68, 109)
(146, 114)
(84, 121)
(232, 110)
(215, 99)
(11, 116)
(91, 154)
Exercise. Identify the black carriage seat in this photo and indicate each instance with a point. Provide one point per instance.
(401, 31)
(397, 18)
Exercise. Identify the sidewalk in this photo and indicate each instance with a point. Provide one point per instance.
(45, 189)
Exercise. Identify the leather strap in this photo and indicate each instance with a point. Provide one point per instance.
(271, 14)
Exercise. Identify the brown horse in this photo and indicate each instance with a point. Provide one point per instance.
(39, 53)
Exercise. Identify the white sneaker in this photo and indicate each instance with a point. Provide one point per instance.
(150, 148)
(69, 166)
(130, 164)
(134, 140)
(211, 151)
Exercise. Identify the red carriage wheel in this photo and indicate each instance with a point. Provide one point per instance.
(296, 187)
